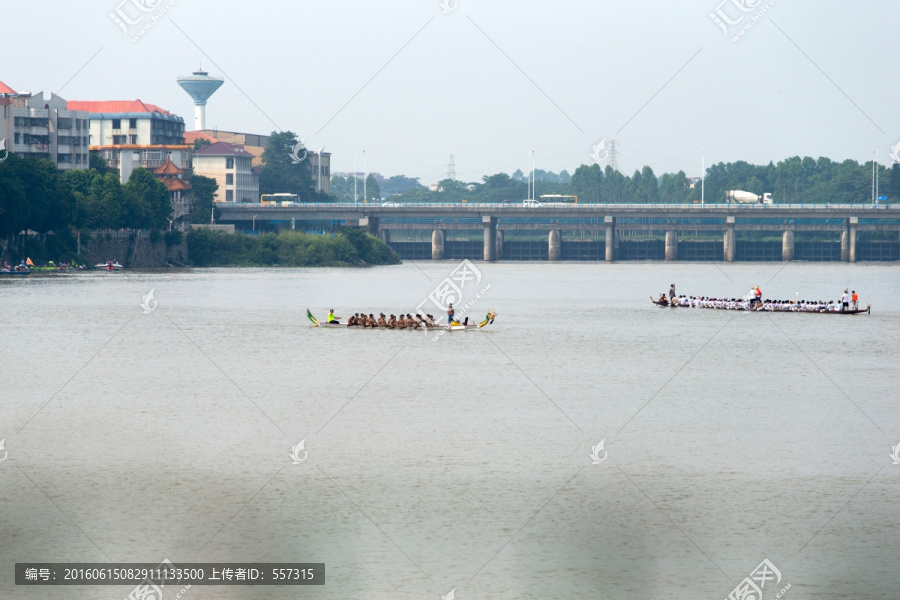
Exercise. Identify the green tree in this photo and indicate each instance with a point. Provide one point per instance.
(647, 187)
(587, 181)
(13, 199)
(203, 192)
(398, 184)
(372, 190)
(200, 142)
(893, 188)
(674, 188)
(615, 186)
(97, 163)
(147, 202)
(104, 205)
(280, 174)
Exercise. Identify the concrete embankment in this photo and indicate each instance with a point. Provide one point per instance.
(134, 249)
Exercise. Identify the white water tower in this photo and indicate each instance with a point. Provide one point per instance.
(200, 86)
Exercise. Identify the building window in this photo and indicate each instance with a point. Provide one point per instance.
(229, 195)
(229, 163)
(64, 123)
(119, 139)
(132, 123)
(117, 123)
(229, 179)
(133, 139)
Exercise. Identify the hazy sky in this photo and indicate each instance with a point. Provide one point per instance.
(490, 81)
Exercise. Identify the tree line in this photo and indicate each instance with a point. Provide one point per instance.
(35, 195)
(795, 180)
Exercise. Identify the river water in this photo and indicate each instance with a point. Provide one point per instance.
(461, 462)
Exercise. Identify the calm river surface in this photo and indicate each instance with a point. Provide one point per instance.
(464, 462)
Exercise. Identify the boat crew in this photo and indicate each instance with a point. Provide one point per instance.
(854, 300)
(451, 312)
(333, 320)
(381, 321)
(401, 322)
(845, 301)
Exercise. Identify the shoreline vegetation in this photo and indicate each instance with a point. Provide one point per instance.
(348, 247)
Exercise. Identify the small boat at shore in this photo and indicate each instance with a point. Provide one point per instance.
(109, 266)
(25, 273)
(455, 326)
(747, 306)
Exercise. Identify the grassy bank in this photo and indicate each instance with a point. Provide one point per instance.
(287, 249)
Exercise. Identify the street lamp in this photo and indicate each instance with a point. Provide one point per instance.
(254, 222)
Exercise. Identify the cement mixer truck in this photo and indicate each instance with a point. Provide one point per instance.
(742, 197)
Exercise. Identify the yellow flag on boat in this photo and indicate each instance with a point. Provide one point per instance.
(29, 263)
(312, 318)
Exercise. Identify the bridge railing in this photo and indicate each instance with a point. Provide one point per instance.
(248, 206)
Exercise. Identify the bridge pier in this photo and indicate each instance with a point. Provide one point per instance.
(729, 239)
(490, 238)
(851, 255)
(437, 244)
(555, 241)
(610, 223)
(845, 245)
(373, 225)
(671, 245)
(787, 245)
(385, 236)
(498, 245)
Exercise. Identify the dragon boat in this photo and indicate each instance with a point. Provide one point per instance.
(743, 305)
(454, 326)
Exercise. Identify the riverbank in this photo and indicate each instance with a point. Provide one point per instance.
(349, 247)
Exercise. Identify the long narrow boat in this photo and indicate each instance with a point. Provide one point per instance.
(738, 306)
(15, 273)
(455, 326)
(115, 266)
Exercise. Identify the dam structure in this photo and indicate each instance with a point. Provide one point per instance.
(600, 232)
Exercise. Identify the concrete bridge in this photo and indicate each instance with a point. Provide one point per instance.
(846, 221)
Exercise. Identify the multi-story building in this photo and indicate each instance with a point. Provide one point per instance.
(151, 134)
(231, 167)
(44, 128)
(319, 165)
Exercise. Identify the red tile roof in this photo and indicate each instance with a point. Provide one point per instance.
(223, 149)
(175, 184)
(168, 168)
(5, 89)
(115, 106)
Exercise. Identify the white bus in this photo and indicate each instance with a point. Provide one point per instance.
(282, 199)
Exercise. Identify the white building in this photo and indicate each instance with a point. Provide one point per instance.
(149, 134)
(231, 167)
(43, 128)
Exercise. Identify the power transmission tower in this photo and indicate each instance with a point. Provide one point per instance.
(613, 155)
(451, 169)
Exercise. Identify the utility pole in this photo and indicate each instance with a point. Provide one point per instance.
(873, 177)
(451, 169)
(365, 177)
(877, 169)
(702, 175)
